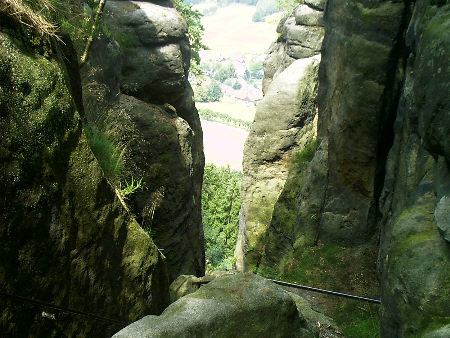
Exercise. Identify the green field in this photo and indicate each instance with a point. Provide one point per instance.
(231, 30)
(236, 110)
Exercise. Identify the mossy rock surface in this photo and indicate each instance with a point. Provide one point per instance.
(156, 127)
(65, 238)
(158, 148)
(283, 124)
(414, 259)
(229, 306)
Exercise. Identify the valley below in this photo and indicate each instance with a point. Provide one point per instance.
(223, 145)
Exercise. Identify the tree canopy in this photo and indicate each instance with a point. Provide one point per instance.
(195, 32)
(221, 202)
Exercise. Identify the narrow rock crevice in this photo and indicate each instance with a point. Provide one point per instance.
(391, 97)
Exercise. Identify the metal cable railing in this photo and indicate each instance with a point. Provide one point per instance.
(329, 292)
(310, 288)
(117, 322)
(59, 308)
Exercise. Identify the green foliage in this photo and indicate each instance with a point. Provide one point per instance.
(304, 265)
(130, 187)
(209, 115)
(268, 272)
(358, 320)
(329, 266)
(247, 75)
(264, 8)
(438, 3)
(256, 69)
(108, 154)
(224, 72)
(301, 158)
(214, 92)
(209, 93)
(221, 202)
(288, 5)
(195, 33)
(76, 20)
(255, 65)
(237, 85)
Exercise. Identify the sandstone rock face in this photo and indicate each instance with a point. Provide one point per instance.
(156, 124)
(300, 36)
(284, 122)
(380, 164)
(229, 306)
(187, 284)
(65, 237)
(333, 198)
(316, 4)
(154, 46)
(414, 260)
(159, 150)
(307, 16)
(358, 78)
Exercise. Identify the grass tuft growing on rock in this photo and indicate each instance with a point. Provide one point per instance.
(32, 14)
(108, 154)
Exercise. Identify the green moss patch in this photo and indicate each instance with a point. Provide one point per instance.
(332, 267)
(358, 319)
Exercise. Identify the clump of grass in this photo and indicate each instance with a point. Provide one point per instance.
(32, 14)
(108, 154)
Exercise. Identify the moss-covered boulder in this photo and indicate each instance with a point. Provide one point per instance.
(414, 260)
(157, 150)
(65, 238)
(230, 306)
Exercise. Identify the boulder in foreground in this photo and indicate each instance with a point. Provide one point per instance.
(229, 306)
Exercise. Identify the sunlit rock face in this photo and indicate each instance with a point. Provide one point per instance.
(284, 124)
(377, 177)
(65, 237)
(275, 135)
(136, 85)
(300, 36)
(335, 200)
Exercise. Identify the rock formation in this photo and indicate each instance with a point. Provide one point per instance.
(145, 54)
(378, 171)
(65, 237)
(68, 236)
(284, 124)
(414, 254)
(230, 306)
